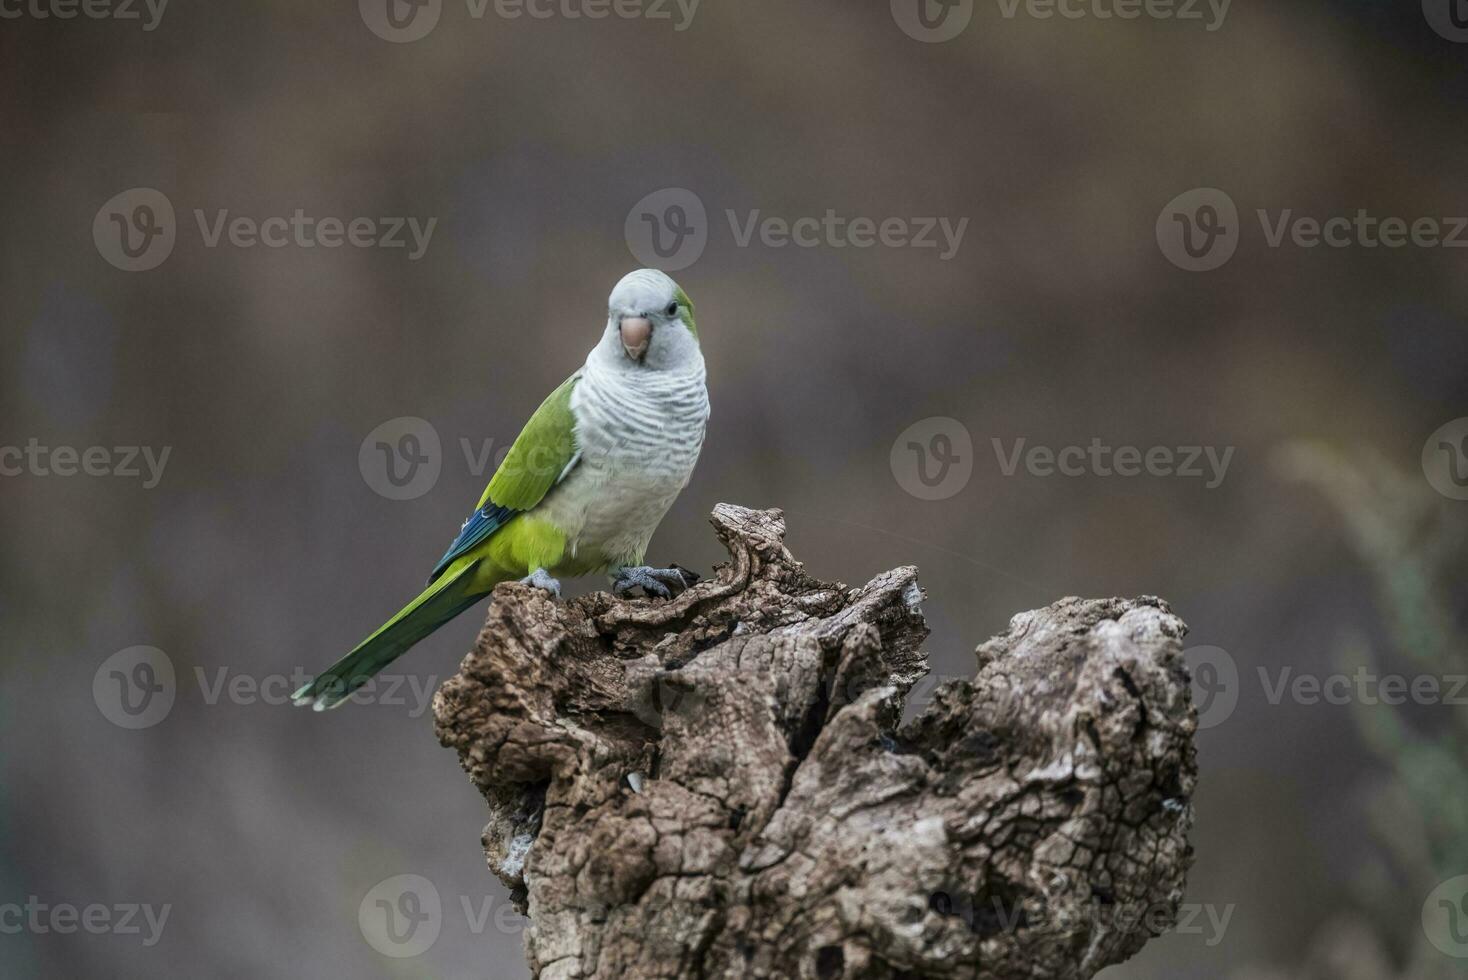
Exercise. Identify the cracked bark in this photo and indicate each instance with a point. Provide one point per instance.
(721, 785)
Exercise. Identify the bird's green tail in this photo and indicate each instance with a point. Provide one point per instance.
(444, 599)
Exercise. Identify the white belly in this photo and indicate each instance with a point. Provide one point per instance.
(638, 443)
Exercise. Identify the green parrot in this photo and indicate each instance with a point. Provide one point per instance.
(583, 487)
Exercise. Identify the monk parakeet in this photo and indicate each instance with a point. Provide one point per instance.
(584, 485)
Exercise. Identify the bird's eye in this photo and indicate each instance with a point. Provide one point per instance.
(672, 309)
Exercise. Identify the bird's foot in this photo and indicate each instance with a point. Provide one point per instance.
(541, 579)
(664, 583)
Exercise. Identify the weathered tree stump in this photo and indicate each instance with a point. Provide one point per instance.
(720, 784)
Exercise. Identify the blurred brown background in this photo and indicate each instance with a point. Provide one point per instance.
(264, 549)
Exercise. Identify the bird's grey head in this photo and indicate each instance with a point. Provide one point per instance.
(650, 324)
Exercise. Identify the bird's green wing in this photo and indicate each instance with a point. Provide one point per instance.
(542, 455)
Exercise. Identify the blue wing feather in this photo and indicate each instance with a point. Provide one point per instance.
(542, 454)
(480, 525)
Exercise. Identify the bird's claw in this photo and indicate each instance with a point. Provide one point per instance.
(663, 583)
(541, 579)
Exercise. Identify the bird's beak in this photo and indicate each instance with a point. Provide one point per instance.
(636, 333)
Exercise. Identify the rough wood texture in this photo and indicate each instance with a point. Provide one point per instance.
(721, 785)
